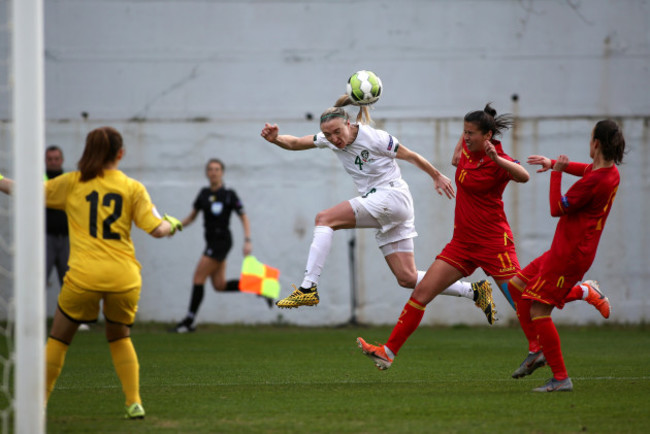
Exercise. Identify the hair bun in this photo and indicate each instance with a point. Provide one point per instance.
(489, 110)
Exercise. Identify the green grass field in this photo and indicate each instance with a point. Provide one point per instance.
(290, 379)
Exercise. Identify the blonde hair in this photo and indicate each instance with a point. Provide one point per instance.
(363, 117)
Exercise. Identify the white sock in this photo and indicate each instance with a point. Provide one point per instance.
(389, 353)
(420, 277)
(318, 251)
(585, 291)
(456, 289)
(460, 289)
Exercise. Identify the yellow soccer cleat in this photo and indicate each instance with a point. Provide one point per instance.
(483, 299)
(299, 298)
(134, 411)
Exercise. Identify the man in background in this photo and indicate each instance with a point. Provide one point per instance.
(57, 240)
(58, 244)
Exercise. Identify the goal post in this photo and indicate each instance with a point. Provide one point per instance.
(29, 221)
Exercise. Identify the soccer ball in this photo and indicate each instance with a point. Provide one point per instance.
(364, 87)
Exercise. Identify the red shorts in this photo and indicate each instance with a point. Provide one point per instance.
(499, 262)
(548, 283)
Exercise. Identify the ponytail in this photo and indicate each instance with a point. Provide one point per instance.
(363, 117)
(487, 120)
(102, 146)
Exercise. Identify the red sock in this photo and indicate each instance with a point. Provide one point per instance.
(523, 314)
(550, 342)
(406, 324)
(574, 294)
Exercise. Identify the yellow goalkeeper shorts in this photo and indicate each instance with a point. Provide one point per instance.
(82, 305)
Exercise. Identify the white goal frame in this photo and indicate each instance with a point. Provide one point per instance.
(29, 221)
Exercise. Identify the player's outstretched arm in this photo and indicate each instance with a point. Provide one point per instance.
(167, 227)
(572, 168)
(555, 191)
(541, 160)
(292, 143)
(442, 184)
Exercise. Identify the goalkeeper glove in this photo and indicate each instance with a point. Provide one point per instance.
(176, 223)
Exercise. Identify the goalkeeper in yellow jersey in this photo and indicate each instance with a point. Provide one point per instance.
(101, 203)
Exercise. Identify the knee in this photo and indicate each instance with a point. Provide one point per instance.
(219, 285)
(321, 219)
(327, 218)
(198, 278)
(407, 280)
(538, 309)
(116, 332)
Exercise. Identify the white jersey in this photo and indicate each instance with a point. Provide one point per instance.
(370, 159)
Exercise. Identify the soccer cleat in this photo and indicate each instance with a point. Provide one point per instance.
(134, 411)
(376, 353)
(554, 385)
(483, 299)
(530, 364)
(597, 299)
(184, 326)
(299, 298)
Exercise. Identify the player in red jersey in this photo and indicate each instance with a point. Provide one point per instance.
(588, 291)
(583, 211)
(482, 236)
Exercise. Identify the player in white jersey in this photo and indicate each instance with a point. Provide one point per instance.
(369, 159)
(384, 203)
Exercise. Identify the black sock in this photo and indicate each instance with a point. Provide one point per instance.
(195, 302)
(307, 290)
(232, 285)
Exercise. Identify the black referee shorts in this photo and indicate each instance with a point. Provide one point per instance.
(218, 248)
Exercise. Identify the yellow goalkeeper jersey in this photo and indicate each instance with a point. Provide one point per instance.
(100, 212)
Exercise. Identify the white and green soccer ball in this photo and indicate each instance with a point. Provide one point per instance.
(364, 87)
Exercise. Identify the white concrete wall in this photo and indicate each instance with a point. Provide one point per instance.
(189, 80)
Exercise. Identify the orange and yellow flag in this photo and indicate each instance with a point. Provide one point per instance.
(258, 278)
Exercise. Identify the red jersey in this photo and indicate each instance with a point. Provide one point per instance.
(479, 215)
(583, 211)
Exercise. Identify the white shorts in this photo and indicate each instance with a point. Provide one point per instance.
(391, 207)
